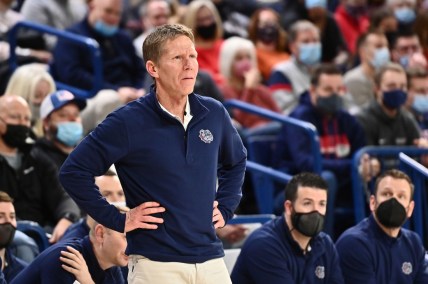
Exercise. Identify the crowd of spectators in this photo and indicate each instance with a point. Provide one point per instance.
(356, 69)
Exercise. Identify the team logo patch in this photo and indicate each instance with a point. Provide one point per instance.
(407, 268)
(206, 136)
(320, 272)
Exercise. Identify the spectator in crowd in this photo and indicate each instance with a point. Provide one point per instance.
(373, 53)
(292, 77)
(404, 11)
(11, 265)
(334, 48)
(238, 65)
(28, 176)
(420, 29)
(123, 70)
(407, 51)
(102, 253)
(153, 13)
(378, 250)
(58, 14)
(32, 82)
(383, 21)
(203, 19)
(151, 169)
(8, 19)
(340, 135)
(385, 121)
(111, 189)
(62, 125)
(351, 16)
(292, 248)
(417, 99)
(269, 38)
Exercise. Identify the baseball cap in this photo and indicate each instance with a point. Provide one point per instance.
(57, 100)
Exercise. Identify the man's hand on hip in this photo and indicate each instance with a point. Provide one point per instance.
(140, 217)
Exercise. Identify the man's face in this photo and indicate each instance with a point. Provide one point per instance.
(406, 46)
(114, 247)
(15, 112)
(308, 199)
(304, 37)
(110, 188)
(68, 113)
(392, 80)
(109, 11)
(176, 71)
(418, 86)
(7, 213)
(327, 86)
(373, 43)
(158, 14)
(390, 187)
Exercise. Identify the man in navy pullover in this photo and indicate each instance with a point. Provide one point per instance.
(340, 135)
(291, 248)
(378, 250)
(102, 251)
(169, 148)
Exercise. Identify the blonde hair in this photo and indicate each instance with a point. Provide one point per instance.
(229, 49)
(190, 15)
(24, 80)
(23, 83)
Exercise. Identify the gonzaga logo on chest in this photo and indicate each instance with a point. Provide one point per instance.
(320, 272)
(206, 136)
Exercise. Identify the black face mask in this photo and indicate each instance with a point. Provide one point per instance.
(391, 213)
(7, 232)
(15, 135)
(268, 34)
(308, 224)
(207, 32)
(330, 104)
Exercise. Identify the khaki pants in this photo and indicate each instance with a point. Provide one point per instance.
(144, 270)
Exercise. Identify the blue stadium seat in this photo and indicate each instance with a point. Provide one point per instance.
(36, 232)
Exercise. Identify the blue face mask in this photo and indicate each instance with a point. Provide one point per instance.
(69, 133)
(105, 29)
(315, 3)
(394, 99)
(405, 15)
(380, 57)
(420, 103)
(310, 53)
(404, 60)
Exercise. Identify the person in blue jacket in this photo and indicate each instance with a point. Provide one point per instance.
(292, 248)
(340, 135)
(103, 252)
(170, 148)
(378, 250)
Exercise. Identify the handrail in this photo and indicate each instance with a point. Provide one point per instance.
(309, 128)
(266, 194)
(357, 184)
(272, 173)
(248, 219)
(89, 43)
(419, 175)
(413, 164)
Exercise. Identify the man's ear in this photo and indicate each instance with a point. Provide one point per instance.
(99, 233)
(152, 69)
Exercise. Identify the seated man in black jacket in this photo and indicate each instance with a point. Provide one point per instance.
(28, 176)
